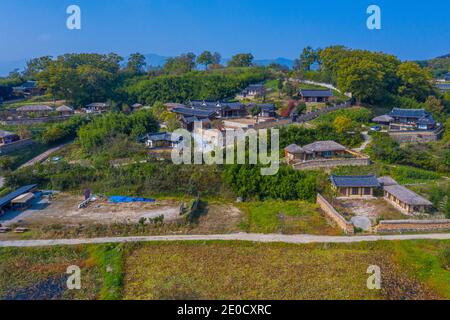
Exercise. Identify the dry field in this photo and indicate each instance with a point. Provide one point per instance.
(229, 270)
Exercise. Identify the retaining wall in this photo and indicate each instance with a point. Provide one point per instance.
(331, 163)
(28, 121)
(412, 225)
(332, 214)
(415, 136)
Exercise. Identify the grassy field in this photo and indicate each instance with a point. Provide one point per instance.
(288, 217)
(231, 270)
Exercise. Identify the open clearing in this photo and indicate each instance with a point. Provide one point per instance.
(230, 270)
(374, 209)
(63, 209)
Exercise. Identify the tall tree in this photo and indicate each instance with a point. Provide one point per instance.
(306, 59)
(241, 60)
(37, 65)
(136, 63)
(362, 77)
(181, 64)
(205, 58)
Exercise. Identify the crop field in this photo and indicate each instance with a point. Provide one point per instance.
(288, 217)
(229, 270)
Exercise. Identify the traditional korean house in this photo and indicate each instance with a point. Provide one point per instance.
(221, 109)
(268, 110)
(406, 200)
(162, 140)
(355, 186)
(65, 110)
(97, 107)
(315, 95)
(253, 91)
(189, 116)
(28, 88)
(39, 110)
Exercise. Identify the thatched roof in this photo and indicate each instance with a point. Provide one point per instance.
(407, 196)
(383, 118)
(64, 109)
(294, 149)
(323, 146)
(35, 108)
(387, 181)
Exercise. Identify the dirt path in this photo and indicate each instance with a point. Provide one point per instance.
(367, 140)
(304, 238)
(43, 156)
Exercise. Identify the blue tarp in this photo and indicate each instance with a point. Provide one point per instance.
(120, 199)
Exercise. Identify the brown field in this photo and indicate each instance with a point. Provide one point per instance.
(266, 271)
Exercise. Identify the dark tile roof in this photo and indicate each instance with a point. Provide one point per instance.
(267, 107)
(426, 120)
(323, 146)
(408, 113)
(407, 196)
(355, 181)
(316, 93)
(443, 86)
(162, 136)
(26, 85)
(188, 112)
(11, 196)
(4, 134)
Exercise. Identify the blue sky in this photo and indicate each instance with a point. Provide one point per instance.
(411, 29)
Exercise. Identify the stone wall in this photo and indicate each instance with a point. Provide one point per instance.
(412, 226)
(11, 147)
(331, 163)
(332, 214)
(415, 136)
(313, 115)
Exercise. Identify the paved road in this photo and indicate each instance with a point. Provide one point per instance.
(227, 237)
(43, 156)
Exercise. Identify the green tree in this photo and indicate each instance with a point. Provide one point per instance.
(136, 63)
(205, 58)
(342, 124)
(362, 77)
(241, 60)
(181, 64)
(306, 59)
(415, 82)
(36, 66)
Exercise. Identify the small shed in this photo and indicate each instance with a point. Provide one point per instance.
(65, 110)
(23, 200)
